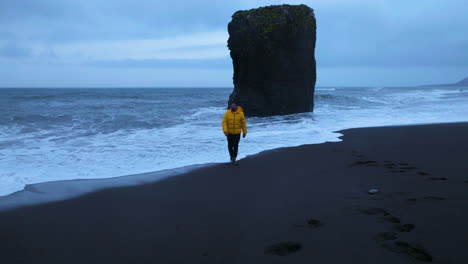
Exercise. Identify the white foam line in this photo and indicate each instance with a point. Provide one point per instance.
(47, 192)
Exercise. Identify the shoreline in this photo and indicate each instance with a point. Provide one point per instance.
(52, 191)
(290, 205)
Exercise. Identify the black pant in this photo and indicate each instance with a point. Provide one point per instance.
(233, 144)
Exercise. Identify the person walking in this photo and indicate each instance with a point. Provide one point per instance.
(233, 123)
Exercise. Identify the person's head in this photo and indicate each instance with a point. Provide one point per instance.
(233, 107)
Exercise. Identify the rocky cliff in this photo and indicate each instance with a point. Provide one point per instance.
(273, 55)
(463, 82)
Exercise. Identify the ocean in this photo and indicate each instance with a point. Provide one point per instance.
(64, 134)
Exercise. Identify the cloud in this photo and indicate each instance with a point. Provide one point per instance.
(363, 32)
(77, 20)
(391, 33)
(176, 34)
(207, 45)
(203, 45)
(13, 50)
(29, 75)
(222, 63)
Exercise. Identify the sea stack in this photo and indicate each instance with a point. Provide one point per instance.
(273, 55)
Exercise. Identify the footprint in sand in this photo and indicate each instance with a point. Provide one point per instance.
(405, 227)
(415, 251)
(403, 167)
(429, 198)
(384, 236)
(283, 248)
(399, 171)
(438, 179)
(311, 223)
(408, 168)
(365, 162)
(375, 211)
(314, 223)
(352, 197)
(387, 217)
(392, 219)
(436, 198)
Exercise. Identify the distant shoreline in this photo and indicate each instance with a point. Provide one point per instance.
(201, 87)
(461, 83)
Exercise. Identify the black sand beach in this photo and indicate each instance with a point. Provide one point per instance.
(307, 204)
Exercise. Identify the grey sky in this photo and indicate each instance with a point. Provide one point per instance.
(110, 43)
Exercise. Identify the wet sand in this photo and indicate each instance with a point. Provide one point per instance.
(307, 204)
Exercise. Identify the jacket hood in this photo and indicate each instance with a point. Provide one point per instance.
(239, 109)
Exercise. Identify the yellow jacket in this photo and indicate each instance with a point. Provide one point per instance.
(234, 122)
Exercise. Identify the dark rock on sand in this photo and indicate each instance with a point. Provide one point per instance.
(283, 249)
(414, 251)
(373, 191)
(273, 55)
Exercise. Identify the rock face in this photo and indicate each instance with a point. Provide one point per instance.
(273, 54)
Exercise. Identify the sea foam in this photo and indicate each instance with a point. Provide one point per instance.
(93, 134)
